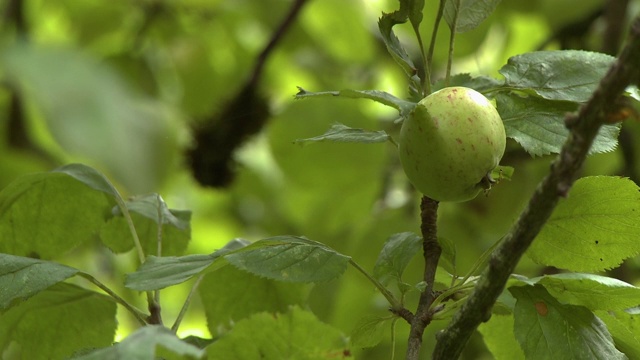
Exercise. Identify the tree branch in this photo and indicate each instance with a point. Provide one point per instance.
(431, 251)
(583, 128)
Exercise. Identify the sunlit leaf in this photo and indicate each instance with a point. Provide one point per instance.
(148, 342)
(290, 258)
(569, 75)
(297, 334)
(147, 212)
(594, 292)
(499, 338)
(624, 329)
(21, 277)
(230, 295)
(547, 329)
(59, 321)
(538, 124)
(471, 13)
(160, 272)
(594, 228)
(47, 214)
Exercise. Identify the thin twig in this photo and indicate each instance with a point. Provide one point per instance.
(186, 304)
(431, 251)
(584, 128)
(432, 47)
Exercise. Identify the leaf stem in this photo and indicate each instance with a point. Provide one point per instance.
(583, 127)
(432, 47)
(454, 25)
(185, 306)
(139, 315)
(395, 304)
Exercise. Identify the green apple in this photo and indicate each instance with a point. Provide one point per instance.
(450, 142)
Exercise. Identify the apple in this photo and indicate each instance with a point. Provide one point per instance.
(450, 142)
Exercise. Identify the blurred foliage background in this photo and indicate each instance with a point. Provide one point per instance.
(125, 86)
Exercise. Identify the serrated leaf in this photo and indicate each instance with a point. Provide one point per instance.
(594, 292)
(470, 14)
(57, 322)
(595, 228)
(538, 124)
(547, 329)
(297, 334)
(395, 255)
(160, 272)
(146, 212)
(498, 336)
(625, 331)
(404, 107)
(342, 133)
(567, 75)
(144, 344)
(36, 219)
(290, 258)
(369, 331)
(21, 277)
(244, 295)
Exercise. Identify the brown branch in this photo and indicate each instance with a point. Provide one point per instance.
(431, 251)
(583, 129)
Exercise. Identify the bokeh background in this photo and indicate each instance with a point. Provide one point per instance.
(127, 86)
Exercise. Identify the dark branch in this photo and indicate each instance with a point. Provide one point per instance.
(431, 251)
(583, 128)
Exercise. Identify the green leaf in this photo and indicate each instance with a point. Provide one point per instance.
(21, 277)
(404, 107)
(499, 338)
(36, 218)
(90, 177)
(594, 292)
(94, 113)
(369, 331)
(342, 133)
(415, 11)
(547, 329)
(145, 343)
(482, 84)
(297, 334)
(161, 272)
(395, 255)
(538, 124)
(147, 212)
(502, 173)
(448, 255)
(569, 75)
(595, 228)
(625, 331)
(290, 258)
(470, 14)
(230, 295)
(58, 322)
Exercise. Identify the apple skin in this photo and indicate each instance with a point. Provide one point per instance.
(450, 142)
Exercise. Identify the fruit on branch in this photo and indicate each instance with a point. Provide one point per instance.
(450, 142)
